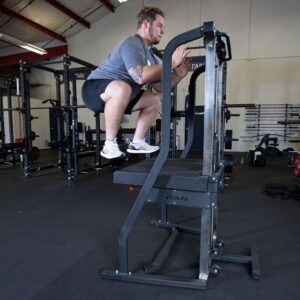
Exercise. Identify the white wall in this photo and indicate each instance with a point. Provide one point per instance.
(265, 40)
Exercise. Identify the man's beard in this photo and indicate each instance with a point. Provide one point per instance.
(154, 41)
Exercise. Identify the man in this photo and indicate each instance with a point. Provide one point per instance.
(116, 85)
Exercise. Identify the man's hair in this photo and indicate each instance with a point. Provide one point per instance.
(148, 13)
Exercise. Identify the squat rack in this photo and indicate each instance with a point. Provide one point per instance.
(69, 129)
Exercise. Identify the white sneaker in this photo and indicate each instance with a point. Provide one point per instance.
(141, 148)
(111, 150)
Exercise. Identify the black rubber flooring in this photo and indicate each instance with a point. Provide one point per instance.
(55, 237)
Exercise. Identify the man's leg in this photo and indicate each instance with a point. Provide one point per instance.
(149, 106)
(116, 97)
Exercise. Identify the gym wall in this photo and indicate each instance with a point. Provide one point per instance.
(265, 68)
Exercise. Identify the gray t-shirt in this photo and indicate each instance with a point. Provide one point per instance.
(130, 52)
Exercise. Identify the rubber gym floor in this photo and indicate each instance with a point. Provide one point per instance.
(55, 237)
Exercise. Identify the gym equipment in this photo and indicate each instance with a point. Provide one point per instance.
(297, 166)
(20, 145)
(256, 158)
(8, 155)
(278, 119)
(283, 191)
(191, 111)
(184, 182)
(267, 147)
(273, 190)
(70, 150)
(34, 153)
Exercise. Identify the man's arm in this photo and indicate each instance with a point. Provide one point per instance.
(180, 72)
(143, 74)
(175, 79)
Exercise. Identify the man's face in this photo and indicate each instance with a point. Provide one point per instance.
(156, 29)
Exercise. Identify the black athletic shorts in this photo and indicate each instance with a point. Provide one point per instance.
(92, 89)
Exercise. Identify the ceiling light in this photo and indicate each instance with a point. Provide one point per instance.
(13, 41)
(122, 1)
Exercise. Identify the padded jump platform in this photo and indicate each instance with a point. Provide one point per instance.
(176, 174)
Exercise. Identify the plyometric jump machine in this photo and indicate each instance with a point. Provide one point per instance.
(185, 182)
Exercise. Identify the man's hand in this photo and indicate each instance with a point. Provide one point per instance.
(182, 70)
(179, 56)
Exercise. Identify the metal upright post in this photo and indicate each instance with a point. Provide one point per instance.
(10, 117)
(174, 125)
(59, 119)
(74, 126)
(97, 155)
(218, 122)
(210, 55)
(208, 148)
(220, 130)
(66, 78)
(2, 127)
(164, 213)
(24, 89)
(10, 113)
(204, 260)
(223, 80)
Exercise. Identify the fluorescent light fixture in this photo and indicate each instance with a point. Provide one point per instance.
(13, 41)
(122, 1)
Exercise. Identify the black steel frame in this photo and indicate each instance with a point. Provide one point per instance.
(67, 126)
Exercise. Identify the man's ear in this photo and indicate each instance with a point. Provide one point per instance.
(146, 24)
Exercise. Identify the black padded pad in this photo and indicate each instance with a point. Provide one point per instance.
(176, 174)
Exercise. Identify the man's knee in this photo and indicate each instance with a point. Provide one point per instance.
(123, 90)
(148, 101)
(153, 103)
(118, 90)
(156, 100)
